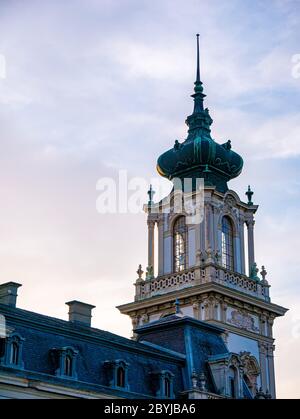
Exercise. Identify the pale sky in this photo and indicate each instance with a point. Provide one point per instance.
(95, 86)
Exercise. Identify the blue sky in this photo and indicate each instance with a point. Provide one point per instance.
(94, 86)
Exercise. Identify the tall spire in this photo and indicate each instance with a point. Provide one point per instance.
(198, 88)
(198, 61)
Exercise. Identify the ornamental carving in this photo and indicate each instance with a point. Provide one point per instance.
(243, 321)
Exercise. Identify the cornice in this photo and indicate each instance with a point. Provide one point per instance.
(198, 290)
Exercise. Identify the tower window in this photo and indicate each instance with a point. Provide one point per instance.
(180, 247)
(227, 244)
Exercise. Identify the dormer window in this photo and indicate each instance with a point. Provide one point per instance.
(118, 373)
(165, 384)
(65, 362)
(11, 351)
(233, 382)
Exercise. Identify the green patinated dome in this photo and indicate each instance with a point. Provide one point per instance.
(199, 156)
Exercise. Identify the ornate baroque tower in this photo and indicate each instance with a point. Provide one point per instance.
(202, 266)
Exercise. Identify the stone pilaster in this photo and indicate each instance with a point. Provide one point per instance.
(270, 359)
(242, 245)
(208, 226)
(263, 365)
(251, 257)
(196, 310)
(151, 226)
(160, 225)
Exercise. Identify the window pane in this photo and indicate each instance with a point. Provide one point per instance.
(179, 240)
(68, 366)
(14, 353)
(227, 244)
(167, 389)
(120, 377)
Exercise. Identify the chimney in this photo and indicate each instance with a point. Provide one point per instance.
(9, 293)
(80, 313)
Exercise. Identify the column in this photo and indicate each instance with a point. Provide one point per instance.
(242, 245)
(208, 227)
(270, 358)
(160, 225)
(270, 323)
(251, 258)
(262, 362)
(197, 244)
(151, 225)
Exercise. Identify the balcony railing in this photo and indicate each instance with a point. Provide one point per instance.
(209, 273)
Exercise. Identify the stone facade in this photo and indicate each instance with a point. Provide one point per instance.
(208, 291)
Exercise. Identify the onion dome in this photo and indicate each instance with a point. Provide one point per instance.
(199, 155)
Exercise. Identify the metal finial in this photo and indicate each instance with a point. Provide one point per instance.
(151, 193)
(198, 87)
(249, 194)
(140, 271)
(263, 272)
(198, 60)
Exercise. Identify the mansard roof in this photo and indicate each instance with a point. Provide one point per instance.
(65, 328)
(176, 344)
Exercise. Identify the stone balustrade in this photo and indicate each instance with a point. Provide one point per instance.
(241, 283)
(210, 273)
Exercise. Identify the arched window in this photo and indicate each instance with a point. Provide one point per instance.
(117, 373)
(227, 244)
(68, 366)
(167, 387)
(120, 377)
(14, 354)
(180, 246)
(64, 360)
(232, 383)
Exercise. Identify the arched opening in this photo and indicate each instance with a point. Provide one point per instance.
(232, 383)
(180, 244)
(227, 244)
(68, 366)
(246, 253)
(120, 376)
(2, 347)
(167, 387)
(14, 355)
